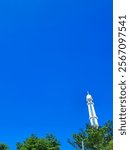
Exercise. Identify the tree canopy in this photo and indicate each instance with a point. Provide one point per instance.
(94, 138)
(3, 146)
(35, 143)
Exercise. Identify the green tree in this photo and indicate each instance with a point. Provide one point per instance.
(3, 147)
(34, 143)
(93, 138)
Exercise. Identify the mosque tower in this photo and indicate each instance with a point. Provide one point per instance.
(92, 114)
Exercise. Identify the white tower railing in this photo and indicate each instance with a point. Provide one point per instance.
(92, 114)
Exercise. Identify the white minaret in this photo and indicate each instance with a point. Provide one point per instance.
(92, 114)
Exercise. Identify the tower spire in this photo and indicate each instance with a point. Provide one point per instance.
(92, 114)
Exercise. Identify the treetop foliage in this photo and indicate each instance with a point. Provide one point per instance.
(35, 143)
(3, 146)
(94, 138)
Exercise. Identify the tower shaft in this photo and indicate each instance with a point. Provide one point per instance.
(92, 114)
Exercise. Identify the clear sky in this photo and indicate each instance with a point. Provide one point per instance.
(51, 53)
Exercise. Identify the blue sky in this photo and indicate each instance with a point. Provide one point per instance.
(51, 53)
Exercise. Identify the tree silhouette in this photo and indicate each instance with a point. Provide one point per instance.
(3, 147)
(35, 143)
(93, 138)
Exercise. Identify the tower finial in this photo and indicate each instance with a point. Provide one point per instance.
(87, 92)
